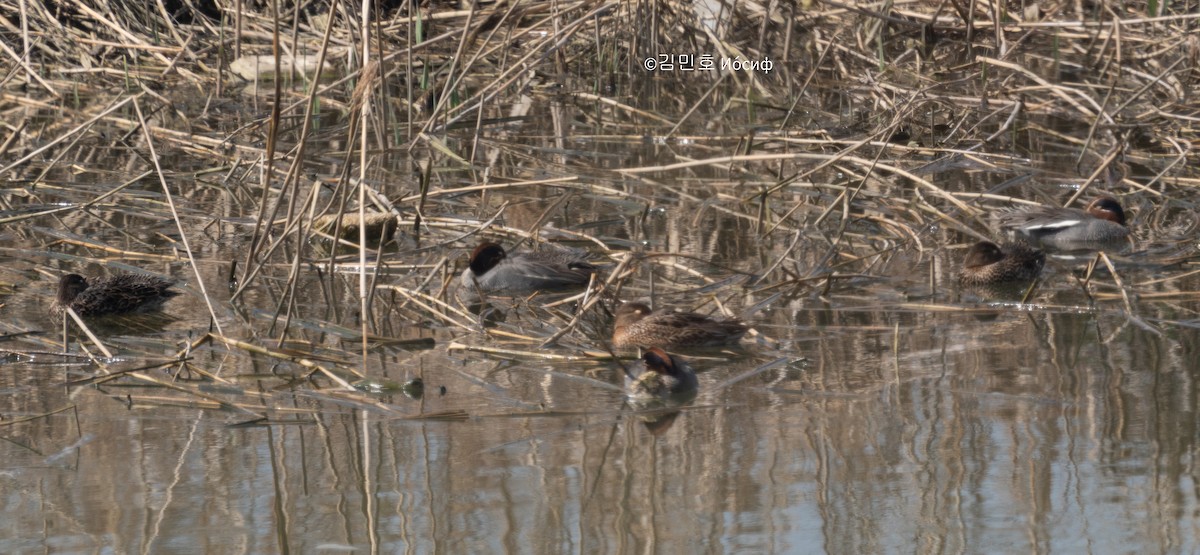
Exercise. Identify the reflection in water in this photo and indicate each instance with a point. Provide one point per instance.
(980, 427)
(657, 423)
(1028, 432)
(925, 418)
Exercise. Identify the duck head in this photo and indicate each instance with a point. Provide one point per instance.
(69, 287)
(630, 313)
(657, 360)
(485, 257)
(1106, 208)
(982, 254)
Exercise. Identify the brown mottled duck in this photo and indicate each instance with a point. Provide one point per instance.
(120, 294)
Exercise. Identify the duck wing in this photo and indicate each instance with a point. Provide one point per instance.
(689, 328)
(1043, 219)
(549, 269)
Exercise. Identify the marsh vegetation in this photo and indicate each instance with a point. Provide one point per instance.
(316, 175)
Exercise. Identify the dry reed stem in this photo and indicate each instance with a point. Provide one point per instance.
(30, 71)
(596, 295)
(70, 133)
(776, 363)
(83, 206)
(586, 355)
(127, 35)
(1120, 286)
(30, 418)
(132, 255)
(1058, 90)
(87, 331)
(215, 401)
(283, 356)
(415, 298)
(155, 401)
(723, 160)
(540, 49)
(212, 312)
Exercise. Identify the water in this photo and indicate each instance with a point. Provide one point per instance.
(904, 416)
(877, 408)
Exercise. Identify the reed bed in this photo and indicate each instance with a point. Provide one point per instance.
(247, 152)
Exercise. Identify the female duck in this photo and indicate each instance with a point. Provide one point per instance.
(988, 264)
(115, 295)
(658, 375)
(492, 271)
(637, 327)
(1103, 221)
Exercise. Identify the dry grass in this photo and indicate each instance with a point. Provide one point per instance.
(409, 135)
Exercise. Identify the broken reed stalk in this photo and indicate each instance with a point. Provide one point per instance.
(87, 331)
(596, 294)
(32, 417)
(361, 96)
(1117, 279)
(195, 392)
(88, 204)
(138, 374)
(268, 160)
(117, 105)
(291, 181)
(20, 60)
(725, 160)
(586, 355)
(539, 49)
(415, 298)
(313, 366)
(187, 247)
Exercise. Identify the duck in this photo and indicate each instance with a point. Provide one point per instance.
(1101, 222)
(120, 294)
(987, 263)
(493, 271)
(659, 375)
(636, 326)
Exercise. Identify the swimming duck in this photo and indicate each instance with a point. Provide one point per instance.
(115, 295)
(659, 375)
(987, 263)
(636, 327)
(495, 272)
(1102, 221)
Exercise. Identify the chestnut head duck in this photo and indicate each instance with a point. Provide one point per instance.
(115, 295)
(987, 263)
(1102, 221)
(659, 375)
(636, 327)
(495, 272)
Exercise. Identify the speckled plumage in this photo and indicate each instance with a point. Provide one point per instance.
(635, 326)
(115, 295)
(1102, 221)
(659, 375)
(495, 272)
(988, 264)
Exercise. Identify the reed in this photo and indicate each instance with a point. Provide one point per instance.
(349, 188)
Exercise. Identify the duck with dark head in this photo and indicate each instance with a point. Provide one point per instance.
(659, 375)
(492, 271)
(119, 294)
(1101, 223)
